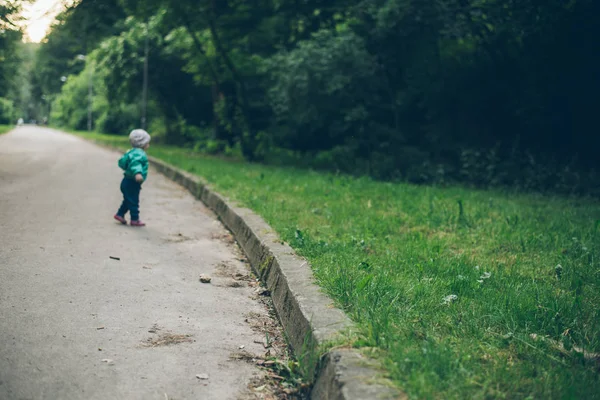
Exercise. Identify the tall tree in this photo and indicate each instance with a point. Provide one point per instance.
(10, 57)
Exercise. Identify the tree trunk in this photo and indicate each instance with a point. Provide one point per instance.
(214, 75)
(215, 100)
(248, 136)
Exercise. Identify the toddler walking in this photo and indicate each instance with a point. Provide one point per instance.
(135, 165)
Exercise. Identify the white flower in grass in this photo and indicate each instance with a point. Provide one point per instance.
(486, 275)
(449, 299)
(477, 267)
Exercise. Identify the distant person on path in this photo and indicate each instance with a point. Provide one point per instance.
(135, 165)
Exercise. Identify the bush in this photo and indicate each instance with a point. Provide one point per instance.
(70, 108)
(119, 119)
(7, 112)
(317, 92)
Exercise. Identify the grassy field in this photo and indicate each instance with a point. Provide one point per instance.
(5, 128)
(461, 293)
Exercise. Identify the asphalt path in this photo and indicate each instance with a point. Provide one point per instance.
(78, 324)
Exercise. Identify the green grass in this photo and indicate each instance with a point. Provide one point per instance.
(5, 128)
(389, 254)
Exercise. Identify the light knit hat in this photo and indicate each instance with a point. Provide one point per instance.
(139, 138)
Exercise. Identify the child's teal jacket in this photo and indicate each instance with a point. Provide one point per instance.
(134, 162)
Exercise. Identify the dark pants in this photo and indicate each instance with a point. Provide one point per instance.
(131, 198)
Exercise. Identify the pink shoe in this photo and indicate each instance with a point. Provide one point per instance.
(137, 222)
(120, 219)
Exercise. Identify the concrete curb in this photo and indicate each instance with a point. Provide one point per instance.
(308, 316)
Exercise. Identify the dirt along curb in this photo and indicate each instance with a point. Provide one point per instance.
(308, 316)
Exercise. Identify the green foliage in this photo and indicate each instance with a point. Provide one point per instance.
(429, 91)
(318, 91)
(7, 112)
(77, 31)
(70, 106)
(9, 13)
(120, 119)
(11, 60)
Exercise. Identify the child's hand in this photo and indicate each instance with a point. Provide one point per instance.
(139, 178)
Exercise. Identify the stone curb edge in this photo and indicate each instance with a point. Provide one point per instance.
(307, 315)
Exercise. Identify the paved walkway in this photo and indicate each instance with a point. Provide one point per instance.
(74, 323)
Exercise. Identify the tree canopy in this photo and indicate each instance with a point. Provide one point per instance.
(485, 91)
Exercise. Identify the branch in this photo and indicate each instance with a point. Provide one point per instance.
(213, 71)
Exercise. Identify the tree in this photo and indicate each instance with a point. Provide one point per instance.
(477, 90)
(11, 58)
